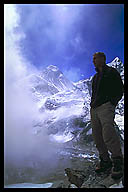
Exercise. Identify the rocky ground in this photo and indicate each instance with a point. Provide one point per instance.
(83, 174)
(87, 178)
(75, 169)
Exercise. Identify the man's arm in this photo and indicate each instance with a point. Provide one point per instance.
(92, 96)
(117, 87)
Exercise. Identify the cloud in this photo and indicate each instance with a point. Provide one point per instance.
(79, 44)
(20, 109)
(55, 25)
(11, 18)
(15, 64)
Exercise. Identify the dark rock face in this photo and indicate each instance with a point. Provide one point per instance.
(89, 84)
(84, 136)
(51, 105)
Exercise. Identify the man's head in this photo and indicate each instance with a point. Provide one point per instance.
(99, 60)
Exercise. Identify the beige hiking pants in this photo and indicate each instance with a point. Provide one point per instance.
(103, 131)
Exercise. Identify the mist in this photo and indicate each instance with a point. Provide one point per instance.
(21, 146)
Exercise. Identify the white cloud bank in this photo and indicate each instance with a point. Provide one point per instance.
(20, 109)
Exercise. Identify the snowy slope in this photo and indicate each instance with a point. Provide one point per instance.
(56, 78)
(49, 82)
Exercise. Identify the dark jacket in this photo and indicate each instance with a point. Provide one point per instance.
(106, 86)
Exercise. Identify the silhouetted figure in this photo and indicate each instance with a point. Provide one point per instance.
(107, 90)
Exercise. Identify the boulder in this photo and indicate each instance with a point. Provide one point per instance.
(75, 176)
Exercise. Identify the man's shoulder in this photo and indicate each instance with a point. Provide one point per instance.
(111, 69)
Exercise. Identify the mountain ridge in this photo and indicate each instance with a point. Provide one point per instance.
(72, 104)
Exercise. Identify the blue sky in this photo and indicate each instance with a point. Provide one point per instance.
(68, 35)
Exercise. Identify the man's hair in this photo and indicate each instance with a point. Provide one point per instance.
(100, 54)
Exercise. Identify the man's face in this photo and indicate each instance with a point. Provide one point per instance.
(98, 61)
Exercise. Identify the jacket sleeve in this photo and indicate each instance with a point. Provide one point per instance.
(116, 87)
(92, 96)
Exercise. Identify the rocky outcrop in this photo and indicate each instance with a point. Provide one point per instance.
(89, 179)
(75, 176)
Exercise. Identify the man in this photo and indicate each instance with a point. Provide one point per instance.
(107, 90)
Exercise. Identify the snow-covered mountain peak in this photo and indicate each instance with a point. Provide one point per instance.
(55, 77)
(51, 72)
(117, 64)
(116, 60)
(52, 68)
